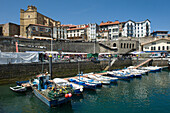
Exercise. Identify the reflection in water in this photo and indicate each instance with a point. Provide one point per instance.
(150, 93)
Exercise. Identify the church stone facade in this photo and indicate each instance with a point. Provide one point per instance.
(31, 16)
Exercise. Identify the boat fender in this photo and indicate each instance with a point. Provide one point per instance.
(69, 94)
(66, 95)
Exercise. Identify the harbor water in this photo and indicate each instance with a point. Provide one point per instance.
(149, 94)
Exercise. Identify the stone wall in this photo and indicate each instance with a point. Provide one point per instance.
(154, 62)
(7, 44)
(16, 72)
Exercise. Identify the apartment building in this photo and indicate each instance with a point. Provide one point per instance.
(77, 34)
(113, 28)
(136, 29)
(92, 31)
(126, 29)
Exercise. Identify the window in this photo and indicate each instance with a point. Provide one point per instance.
(163, 48)
(154, 48)
(114, 45)
(41, 29)
(153, 43)
(167, 48)
(28, 16)
(130, 45)
(127, 45)
(121, 45)
(151, 48)
(141, 27)
(33, 28)
(159, 48)
(146, 47)
(168, 42)
(124, 45)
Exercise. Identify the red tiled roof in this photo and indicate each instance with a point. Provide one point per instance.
(68, 25)
(76, 28)
(109, 23)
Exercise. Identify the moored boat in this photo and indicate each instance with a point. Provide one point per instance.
(50, 94)
(102, 80)
(78, 89)
(84, 84)
(18, 89)
(87, 80)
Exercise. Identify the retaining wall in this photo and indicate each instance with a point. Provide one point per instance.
(16, 72)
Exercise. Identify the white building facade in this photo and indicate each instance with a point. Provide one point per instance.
(92, 32)
(76, 33)
(59, 33)
(136, 29)
(159, 45)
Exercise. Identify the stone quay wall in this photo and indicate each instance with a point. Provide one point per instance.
(17, 72)
(155, 62)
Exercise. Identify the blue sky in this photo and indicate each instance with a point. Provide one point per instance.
(92, 11)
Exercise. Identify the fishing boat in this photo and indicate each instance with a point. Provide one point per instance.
(18, 89)
(132, 72)
(78, 89)
(102, 80)
(84, 84)
(112, 79)
(119, 75)
(152, 68)
(49, 93)
(87, 80)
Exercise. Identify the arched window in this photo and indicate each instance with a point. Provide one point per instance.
(167, 48)
(127, 45)
(151, 48)
(163, 48)
(121, 45)
(124, 45)
(130, 45)
(114, 45)
(159, 48)
(154, 48)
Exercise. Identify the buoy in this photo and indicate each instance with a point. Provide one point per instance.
(66, 95)
(69, 94)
